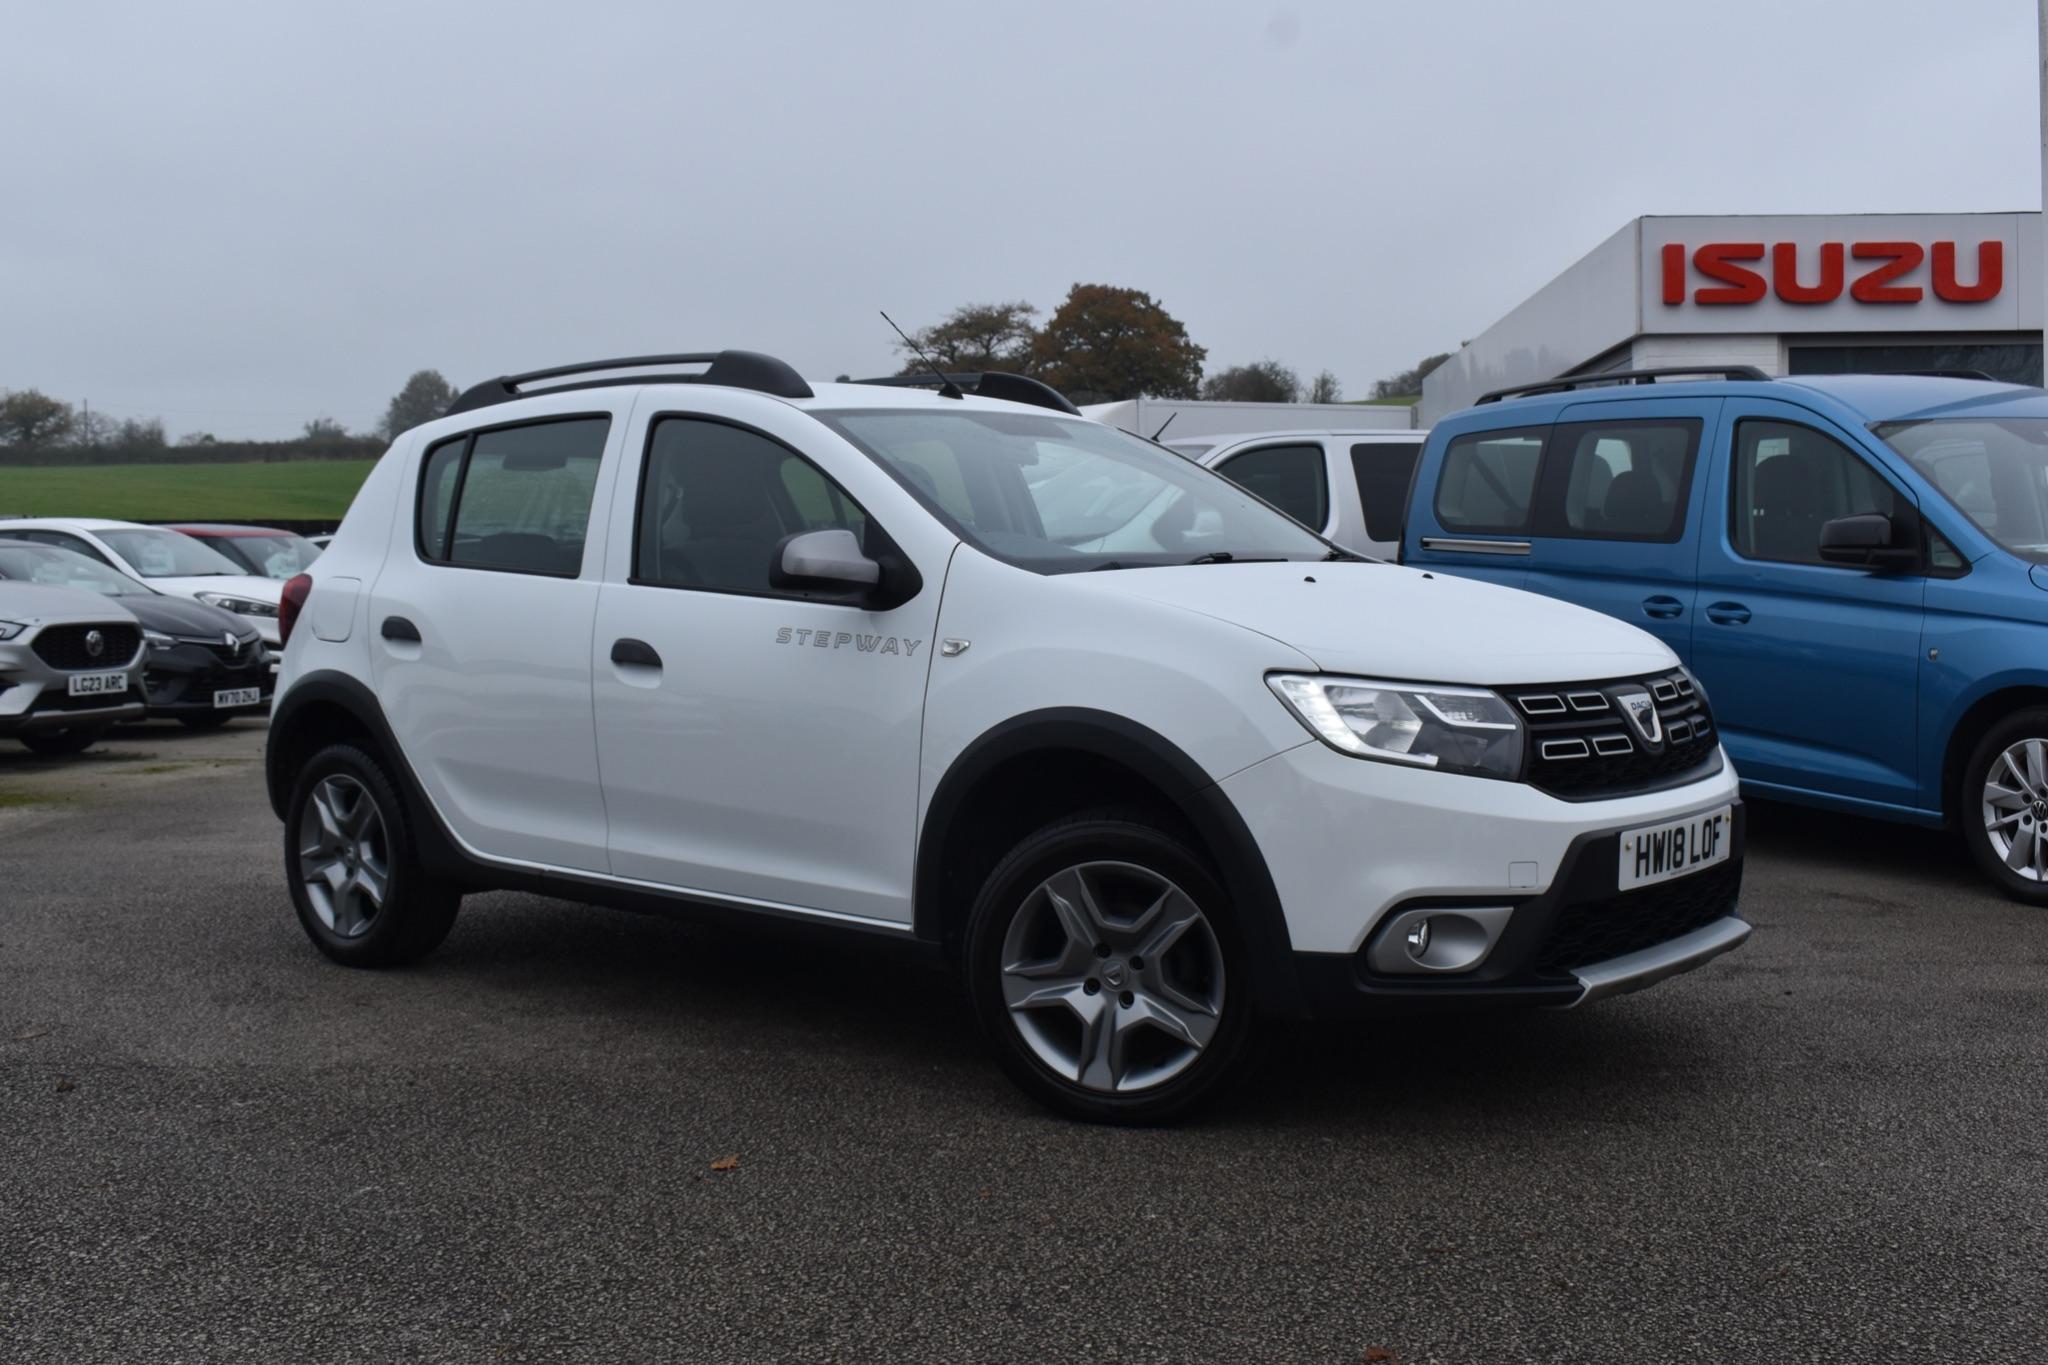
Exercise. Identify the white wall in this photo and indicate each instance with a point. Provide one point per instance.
(1193, 417)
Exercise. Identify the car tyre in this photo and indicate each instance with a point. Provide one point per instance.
(353, 867)
(63, 743)
(2002, 805)
(1103, 961)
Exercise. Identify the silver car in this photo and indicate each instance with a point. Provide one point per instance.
(70, 666)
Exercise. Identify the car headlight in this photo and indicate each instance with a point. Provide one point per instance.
(1452, 729)
(156, 639)
(10, 629)
(241, 606)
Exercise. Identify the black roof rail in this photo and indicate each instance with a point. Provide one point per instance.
(1011, 388)
(733, 369)
(1568, 383)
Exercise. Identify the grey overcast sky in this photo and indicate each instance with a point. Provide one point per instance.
(241, 216)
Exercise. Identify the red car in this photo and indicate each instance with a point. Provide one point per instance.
(261, 550)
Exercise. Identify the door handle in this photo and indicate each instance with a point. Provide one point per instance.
(1727, 613)
(635, 653)
(398, 628)
(1663, 608)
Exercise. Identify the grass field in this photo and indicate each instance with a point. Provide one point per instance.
(288, 490)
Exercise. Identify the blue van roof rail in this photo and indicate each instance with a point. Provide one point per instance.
(1567, 383)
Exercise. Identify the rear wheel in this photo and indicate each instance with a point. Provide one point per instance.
(355, 877)
(1103, 962)
(2003, 805)
(75, 739)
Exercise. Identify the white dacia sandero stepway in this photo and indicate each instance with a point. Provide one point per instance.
(943, 661)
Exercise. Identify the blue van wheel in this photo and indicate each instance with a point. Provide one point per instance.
(2002, 806)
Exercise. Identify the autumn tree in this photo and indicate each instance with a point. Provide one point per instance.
(1324, 388)
(425, 396)
(1262, 381)
(976, 336)
(324, 431)
(1104, 344)
(30, 420)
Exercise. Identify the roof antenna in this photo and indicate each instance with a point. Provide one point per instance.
(947, 388)
(1163, 426)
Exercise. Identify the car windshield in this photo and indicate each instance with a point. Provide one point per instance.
(49, 565)
(1994, 468)
(1060, 495)
(280, 555)
(166, 554)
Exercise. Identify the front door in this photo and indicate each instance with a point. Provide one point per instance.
(1812, 668)
(760, 743)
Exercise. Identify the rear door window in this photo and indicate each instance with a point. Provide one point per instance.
(516, 499)
(1385, 471)
(1291, 477)
(1625, 480)
(1488, 481)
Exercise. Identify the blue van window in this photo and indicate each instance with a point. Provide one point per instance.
(1624, 480)
(1790, 481)
(1489, 480)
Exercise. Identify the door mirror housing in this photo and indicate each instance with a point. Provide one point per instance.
(829, 559)
(1869, 539)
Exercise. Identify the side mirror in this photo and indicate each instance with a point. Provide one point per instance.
(823, 559)
(1868, 539)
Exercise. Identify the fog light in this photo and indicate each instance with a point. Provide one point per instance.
(1437, 940)
(1418, 938)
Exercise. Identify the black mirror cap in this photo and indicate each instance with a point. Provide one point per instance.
(1867, 539)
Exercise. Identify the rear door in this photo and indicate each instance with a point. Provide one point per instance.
(480, 629)
(1473, 506)
(1618, 511)
(1813, 669)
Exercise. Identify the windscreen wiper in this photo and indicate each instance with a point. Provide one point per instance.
(1225, 557)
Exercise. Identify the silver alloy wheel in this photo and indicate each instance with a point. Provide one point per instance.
(2016, 806)
(344, 855)
(1113, 976)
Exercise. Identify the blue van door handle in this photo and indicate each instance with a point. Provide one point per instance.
(1728, 613)
(1662, 607)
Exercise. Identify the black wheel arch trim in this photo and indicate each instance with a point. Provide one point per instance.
(1194, 793)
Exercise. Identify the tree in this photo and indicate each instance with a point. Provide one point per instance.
(140, 436)
(1324, 388)
(976, 336)
(30, 420)
(1104, 344)
(323, 431)
(425, 396)
(1262, 381)
(1408, 381)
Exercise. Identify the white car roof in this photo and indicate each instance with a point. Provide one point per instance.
(78, 524)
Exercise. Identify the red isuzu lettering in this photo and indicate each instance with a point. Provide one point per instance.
(1735, 284)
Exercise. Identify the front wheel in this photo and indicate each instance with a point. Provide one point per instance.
(1103, 962)
(355, 878)
(2003, 805)
(75, 739)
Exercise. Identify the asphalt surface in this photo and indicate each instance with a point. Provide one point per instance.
(214, 1145)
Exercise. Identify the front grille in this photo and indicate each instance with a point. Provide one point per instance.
(67, 647)
(1594, 931)
(1582, 743)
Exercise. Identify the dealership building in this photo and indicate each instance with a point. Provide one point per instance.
(1797, 294)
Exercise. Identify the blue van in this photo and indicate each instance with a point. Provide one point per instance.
(1855, 568)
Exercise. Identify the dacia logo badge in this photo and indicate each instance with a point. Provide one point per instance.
(95, 643)
(1636, 704)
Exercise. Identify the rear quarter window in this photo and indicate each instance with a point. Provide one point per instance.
(1385, 471)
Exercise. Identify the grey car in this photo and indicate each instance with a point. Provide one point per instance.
(70, 666)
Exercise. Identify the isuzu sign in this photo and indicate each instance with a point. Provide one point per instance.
(1845, 274)
(1883, 273)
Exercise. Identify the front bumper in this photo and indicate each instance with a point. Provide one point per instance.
(1579, 941)
(181, 680)
(1354, 846)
